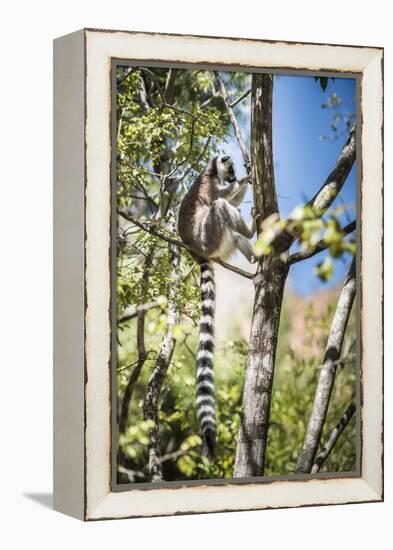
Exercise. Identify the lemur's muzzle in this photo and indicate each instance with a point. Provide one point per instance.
(231, 175)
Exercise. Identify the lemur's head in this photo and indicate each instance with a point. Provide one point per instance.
(224, 168)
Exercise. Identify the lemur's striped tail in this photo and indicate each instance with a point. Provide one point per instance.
(205, 401)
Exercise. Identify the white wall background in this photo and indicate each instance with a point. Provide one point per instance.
(27, 30)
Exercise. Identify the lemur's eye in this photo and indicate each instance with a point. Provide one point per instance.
(224, 158)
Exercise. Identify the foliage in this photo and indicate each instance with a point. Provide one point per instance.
(311, 230)
(169, 122)
(293, 393)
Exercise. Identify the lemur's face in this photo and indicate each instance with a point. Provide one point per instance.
(225, 168)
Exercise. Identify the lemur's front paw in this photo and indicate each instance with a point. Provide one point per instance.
(255, 214)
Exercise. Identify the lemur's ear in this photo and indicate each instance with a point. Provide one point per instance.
(211, 168)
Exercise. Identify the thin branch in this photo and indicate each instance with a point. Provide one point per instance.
(239, 99)
(146, 171)
(328, 373)
(196, 161)
(143, 307)
(143, 96)
(150, 404)
(121, 80)
(120, 122)
(150, 228)
(234, 269)
(153, 231)
(333, 438)
(162, 94)
(319, 247)
(234, 122)
(177, 165)
(141, 349)
(174, 455)
(185, 343)
(147, 197)
(131, 474)
(170, 85)
(207, 101)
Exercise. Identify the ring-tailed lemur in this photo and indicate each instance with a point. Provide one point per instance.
(211, 227)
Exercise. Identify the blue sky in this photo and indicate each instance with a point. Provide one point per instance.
(302, 161)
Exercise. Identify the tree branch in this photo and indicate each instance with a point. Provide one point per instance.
(169, 91)
(234, 122)
(120, 81)
(178, 164)
(143, 307)
(319, 247)
(196, 161)
(234, 269)
(162, 94)
(143, 96)
(329, 190)
(177, 242)
(336, 179)
(239, 99)
(140, 336)
(150, 404)
(328, 372)
(333, 438)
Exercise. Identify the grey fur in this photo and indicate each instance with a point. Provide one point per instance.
(212, 227)
(209, 222)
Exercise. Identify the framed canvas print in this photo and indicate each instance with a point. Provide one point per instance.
(218, 274)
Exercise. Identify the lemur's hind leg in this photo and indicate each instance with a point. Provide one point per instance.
(244, 246)
(232, 218)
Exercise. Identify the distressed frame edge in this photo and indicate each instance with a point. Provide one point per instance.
(69, 278)
(374, 496)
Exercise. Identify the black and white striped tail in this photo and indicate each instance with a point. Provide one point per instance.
(205, 401)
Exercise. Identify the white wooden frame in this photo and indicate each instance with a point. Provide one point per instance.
(82, 381)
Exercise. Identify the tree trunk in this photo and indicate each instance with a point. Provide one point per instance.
(269, 290)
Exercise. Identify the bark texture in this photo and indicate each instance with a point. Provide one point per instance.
(333, 438)
(336, 179)
(265, 198)
(328, 373)
(269, 289)
(254, 420)
(151, 402)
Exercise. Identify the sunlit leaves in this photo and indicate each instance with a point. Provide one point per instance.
(271, 228)
(324, 269)
(312, 231)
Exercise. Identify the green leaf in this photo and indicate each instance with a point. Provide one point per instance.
(324, 270)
